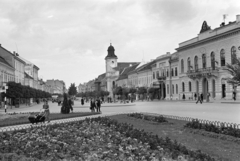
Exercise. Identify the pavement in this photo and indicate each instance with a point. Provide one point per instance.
(223, 111)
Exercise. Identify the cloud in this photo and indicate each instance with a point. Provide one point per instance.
(170, 11)
(69, 39)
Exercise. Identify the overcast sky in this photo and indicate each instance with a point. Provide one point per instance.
(68, 39)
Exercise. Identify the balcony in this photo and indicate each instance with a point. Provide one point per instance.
(161, 78)
(203, 72)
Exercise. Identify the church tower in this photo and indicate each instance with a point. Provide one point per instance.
(111, 74)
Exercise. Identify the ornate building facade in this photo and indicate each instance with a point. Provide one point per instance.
(202, 61)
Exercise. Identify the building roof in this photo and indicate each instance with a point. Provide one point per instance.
(111, 52)
(146, 66)
(121, 65)
(2, 60)
(126, 70)
(27, 75)
(28, 62)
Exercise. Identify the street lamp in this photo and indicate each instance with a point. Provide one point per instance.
(170, 78)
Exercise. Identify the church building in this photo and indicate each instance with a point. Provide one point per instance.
(114, 69)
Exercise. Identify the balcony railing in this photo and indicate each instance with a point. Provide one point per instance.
(161, 78)
(203, 72)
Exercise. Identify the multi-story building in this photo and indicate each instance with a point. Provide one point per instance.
(202, 60)
(58, 86)
(19, 66)
(123, 77)
(161, 75)
(6, 66)
(113, 69)
(82, 88)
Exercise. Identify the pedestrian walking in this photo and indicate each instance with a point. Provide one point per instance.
(183, 97)
(208, 96)
(47, 111)
(199, 99)
(98, 105)
(195, 96)
(82, 101)
(234, 95)
(92, 105)
(70, 103)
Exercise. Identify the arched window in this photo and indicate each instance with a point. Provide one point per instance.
(233, 55)
(182, 66)
(213, 60)
(196, 63)
(204, 61)
(189, 63)
(183, 87)
(176, 71)
(222, 57)
(167, 72)
(176, 89)
(172, 89)
(172, 72)
(190, 86)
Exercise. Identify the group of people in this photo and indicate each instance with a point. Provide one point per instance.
(95, 104)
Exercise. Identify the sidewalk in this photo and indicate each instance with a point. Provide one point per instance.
(29, 125)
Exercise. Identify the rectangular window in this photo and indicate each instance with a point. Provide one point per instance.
(176, 71)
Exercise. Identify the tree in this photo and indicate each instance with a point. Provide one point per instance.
(65, 109)
(72, 89)
(151, 92)
(141, 91)
(132, 90)
(234, 70)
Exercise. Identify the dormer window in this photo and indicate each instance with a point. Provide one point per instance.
(113, 62)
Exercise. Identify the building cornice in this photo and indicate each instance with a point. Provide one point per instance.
(210, 39)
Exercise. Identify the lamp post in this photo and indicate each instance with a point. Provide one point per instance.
(170, 78)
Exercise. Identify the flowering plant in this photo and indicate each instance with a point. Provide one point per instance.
(92, 139)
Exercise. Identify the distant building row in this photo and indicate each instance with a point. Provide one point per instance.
(15, 68)
(196, 67)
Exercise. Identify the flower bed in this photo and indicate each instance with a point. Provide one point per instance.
(92, 139)
(159, 119)
(232, 131)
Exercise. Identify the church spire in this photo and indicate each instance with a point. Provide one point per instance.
(111, 52)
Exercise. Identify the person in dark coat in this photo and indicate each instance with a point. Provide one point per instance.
(195, 96)
(199, 99)
(183, 97)
(234, 95)
(92, 105)
(82, 101)
(98, 105)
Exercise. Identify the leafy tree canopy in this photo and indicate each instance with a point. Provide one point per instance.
(234, 70)
(72, 89)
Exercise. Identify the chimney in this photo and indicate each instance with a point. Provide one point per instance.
(238, 18)
(168, 53)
